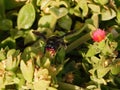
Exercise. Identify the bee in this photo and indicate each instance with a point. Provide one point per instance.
(52, 43)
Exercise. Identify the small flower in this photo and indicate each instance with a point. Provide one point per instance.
(98, 35)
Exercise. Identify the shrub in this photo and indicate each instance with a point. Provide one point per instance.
(47, 44)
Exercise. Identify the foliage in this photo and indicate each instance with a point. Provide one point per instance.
(78, 63)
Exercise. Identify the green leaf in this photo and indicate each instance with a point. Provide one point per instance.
(2, 55)
(27, 70)
(41, 85)
(115, 69)
(101, 45)
(61, 55)
(101, 71)
(58, 12)
(38, 2)
(26, 16)
(99, 81)
(15, 33)
(108, 14)
(65, 3)
(11, 52)
(13, 59)
(30, 37)
(66, 86)
(5, 24)
(10, 42)
(102, 2)
(83, 5)
(76, 11)
(91, 87)
(95, 60)
(47, 21)
(44, 3)
(94, 8)
(2, 83)
(52, 88)
(65, 22)
(2, 9)
(118, 16)
(95, 19)
(91, 51)
(12, 64)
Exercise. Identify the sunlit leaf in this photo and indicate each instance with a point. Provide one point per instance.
(102, 2)
(76, 11)
(47, 21)
(101, 45)
(83, 5)
(108, 14)
(94, 8)
(2, 82)
(26, 16)
(95, 60)
(43, 3)
(51, 88)
(11, 52)
(38, 2)
(101, 71)
(91, 87)
(13, 59)
(30, 37)
(2, 55)
(41, 85)
(91, 52)
(118, 16)
(27, 70)
(65, 3)
(58, 12)
(95, 19)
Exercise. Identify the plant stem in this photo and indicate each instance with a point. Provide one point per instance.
(78, 42)
(66, 86)
(76, 33)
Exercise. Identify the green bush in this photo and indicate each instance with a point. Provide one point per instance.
(47, 45)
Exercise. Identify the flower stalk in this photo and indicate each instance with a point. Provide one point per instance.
(78, 42)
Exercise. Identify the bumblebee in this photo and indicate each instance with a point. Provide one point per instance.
(52, 43)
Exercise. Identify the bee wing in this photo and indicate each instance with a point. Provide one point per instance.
(39, 34)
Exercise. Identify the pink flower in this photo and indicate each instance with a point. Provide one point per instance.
(98, 35)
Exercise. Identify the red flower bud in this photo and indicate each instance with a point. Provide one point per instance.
(98, 35)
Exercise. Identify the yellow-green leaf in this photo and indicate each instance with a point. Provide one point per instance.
(65, 22)
(108, 14)
(47, 21)
(26, 16)
(58, 12)
(27, 70)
